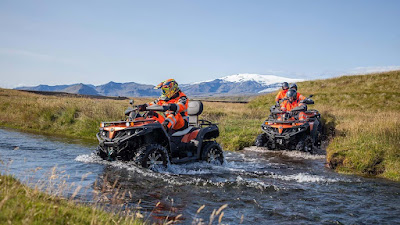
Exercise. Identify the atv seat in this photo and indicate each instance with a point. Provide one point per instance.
(182, 132)
(195, 108)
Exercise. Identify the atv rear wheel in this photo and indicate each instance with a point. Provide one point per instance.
(212, 153)
(261, 140)
(152, 156)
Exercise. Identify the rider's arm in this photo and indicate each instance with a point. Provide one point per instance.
(180, 105)
(283, 106)
(301, 97)
(278, 97)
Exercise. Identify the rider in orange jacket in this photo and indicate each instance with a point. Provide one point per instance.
(176, 118)
(282, 93)
(299, 96)
(292, 102)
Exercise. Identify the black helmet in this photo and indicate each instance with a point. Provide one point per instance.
(285, 85)
(293, 86)
(292, 93)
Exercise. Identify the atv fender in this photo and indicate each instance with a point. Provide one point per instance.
(155, 133)
(314, 131)
(206, 133)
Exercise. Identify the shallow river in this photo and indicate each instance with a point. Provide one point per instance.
(258, 186)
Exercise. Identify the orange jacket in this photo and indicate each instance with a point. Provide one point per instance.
(300, 97)
(286, 106)
(176, 118)
(281, 95)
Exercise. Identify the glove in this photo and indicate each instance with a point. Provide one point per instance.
(165, 124)
(142, 107)
(173, 107)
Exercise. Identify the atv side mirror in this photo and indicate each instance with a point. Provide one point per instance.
(310, 96)
(131, 102)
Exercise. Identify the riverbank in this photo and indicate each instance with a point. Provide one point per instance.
(20, 204)
(80, 117)
(362, 116)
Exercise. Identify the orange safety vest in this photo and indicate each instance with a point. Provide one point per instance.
(286, 106)
(176, 119)
(281, 95)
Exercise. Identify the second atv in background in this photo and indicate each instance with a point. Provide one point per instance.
(298, 129)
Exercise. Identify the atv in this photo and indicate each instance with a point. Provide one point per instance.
(142, 139)
(284, 130)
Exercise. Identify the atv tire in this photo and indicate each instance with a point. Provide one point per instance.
(300, 146)
(308, 145)
(212, 153)
(102, 154)
(152, 156)
(261, 140)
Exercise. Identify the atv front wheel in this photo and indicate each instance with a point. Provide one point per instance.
(152, 156)
(212, 153)
(100, 153)
(260, 140)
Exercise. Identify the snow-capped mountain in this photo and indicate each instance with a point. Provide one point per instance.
(238, 84)
(262, 79)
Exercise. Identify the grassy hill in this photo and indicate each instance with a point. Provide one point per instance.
(363, 115)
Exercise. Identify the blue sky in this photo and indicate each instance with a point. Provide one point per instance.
(65, 42)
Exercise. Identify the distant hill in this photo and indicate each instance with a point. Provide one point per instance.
(239, 84)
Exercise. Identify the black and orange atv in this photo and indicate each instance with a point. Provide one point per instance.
(284, 130)
(142, 139)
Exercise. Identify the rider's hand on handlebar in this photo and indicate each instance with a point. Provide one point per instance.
(142, 107)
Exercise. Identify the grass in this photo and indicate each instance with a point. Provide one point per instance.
(67, 116)
(20, 204)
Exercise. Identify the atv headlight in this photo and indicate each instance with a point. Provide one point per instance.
(127, 124)
(103, 133)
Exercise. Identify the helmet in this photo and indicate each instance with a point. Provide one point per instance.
(285, 85)
(169, 88)
(293, 86)
(291, 95)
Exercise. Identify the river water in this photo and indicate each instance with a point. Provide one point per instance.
(254, 186)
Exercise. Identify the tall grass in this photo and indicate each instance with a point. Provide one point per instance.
(20, 204)
(68, 116)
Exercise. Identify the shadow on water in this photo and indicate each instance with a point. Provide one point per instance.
(258, 186)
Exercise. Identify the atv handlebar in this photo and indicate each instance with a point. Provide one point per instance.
(160, 108)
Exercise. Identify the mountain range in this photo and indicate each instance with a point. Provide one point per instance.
(239, 84)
